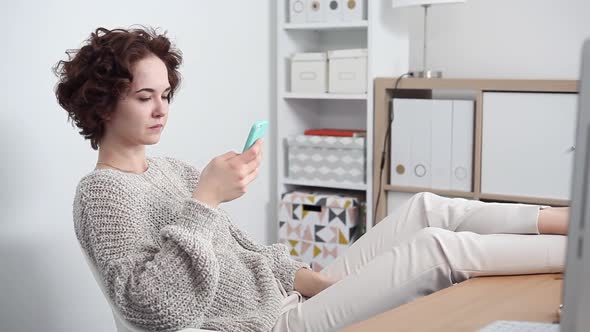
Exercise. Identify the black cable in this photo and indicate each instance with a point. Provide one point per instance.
(385, 146)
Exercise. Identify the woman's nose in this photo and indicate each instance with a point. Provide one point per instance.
(161, 109)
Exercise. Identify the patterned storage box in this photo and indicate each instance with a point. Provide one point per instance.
(318, 227)
(326, 158)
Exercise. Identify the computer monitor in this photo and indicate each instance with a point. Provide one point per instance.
(576, 295)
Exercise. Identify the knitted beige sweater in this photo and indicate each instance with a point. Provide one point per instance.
(169, 261)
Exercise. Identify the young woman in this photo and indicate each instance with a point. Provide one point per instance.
(171, 258)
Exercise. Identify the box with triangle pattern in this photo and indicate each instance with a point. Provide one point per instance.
(317, 227)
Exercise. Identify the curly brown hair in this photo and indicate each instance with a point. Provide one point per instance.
(97, 75)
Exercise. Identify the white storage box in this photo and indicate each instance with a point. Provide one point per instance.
(317, 227)
(348, 71)
(297, 11)
(309, 72)
(326, 158)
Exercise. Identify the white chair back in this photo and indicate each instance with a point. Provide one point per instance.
(121, 324)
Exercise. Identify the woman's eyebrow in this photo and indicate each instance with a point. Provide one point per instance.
(151, 90)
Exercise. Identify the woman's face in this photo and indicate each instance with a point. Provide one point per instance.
(141, 114)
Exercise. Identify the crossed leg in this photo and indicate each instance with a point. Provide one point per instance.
(432, 243)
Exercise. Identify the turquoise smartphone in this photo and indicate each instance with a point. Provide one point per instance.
(257, 131)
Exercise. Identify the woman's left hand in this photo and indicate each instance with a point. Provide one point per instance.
(309, 283)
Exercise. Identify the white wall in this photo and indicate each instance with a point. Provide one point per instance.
(537, 39)
(228, 83)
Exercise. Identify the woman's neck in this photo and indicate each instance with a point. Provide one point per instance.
(131, 160)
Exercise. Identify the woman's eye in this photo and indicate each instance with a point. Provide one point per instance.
(166, 98)
(144, 98)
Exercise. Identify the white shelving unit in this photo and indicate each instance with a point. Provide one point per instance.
(299, 111)
(326, 26)
(290, 95)
(326, 184)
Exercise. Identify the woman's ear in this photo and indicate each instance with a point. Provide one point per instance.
(106, 117)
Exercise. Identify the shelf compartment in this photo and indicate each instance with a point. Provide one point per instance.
(337, 96)
(327, 26)
(326, 184)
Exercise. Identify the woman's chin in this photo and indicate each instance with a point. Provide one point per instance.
(152, 140)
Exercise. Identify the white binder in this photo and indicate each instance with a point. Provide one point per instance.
(420, 143)
(462, 151)
(297, 11)
(400, 142)
(411, 140)
(315, 11)
(432, 144)
(333, 10)
(352, 10)
(442, 128)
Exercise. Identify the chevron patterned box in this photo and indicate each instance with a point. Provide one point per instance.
(326, 158)
(318, 227)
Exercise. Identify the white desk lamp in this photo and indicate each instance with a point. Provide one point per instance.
(425, 73)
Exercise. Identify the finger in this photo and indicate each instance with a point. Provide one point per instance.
(252, 165)
(243, 168)
(260, 142)
(228, 155)
(257, 146)
(251, 177)
(250, 154)
(255, 162)
(250, 168)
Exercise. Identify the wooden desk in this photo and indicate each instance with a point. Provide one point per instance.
(473, 304)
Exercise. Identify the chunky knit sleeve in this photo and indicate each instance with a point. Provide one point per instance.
(189, 172)
(283, 266)
(160, 284)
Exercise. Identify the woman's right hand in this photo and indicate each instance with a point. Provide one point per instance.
(226, 177)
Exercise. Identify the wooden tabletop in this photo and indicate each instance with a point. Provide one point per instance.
(473, 304)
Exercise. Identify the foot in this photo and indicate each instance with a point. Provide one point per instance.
(553, 220)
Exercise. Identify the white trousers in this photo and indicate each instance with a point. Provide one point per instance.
(432, 243)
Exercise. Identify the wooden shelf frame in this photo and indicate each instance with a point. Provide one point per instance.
(423, 89)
